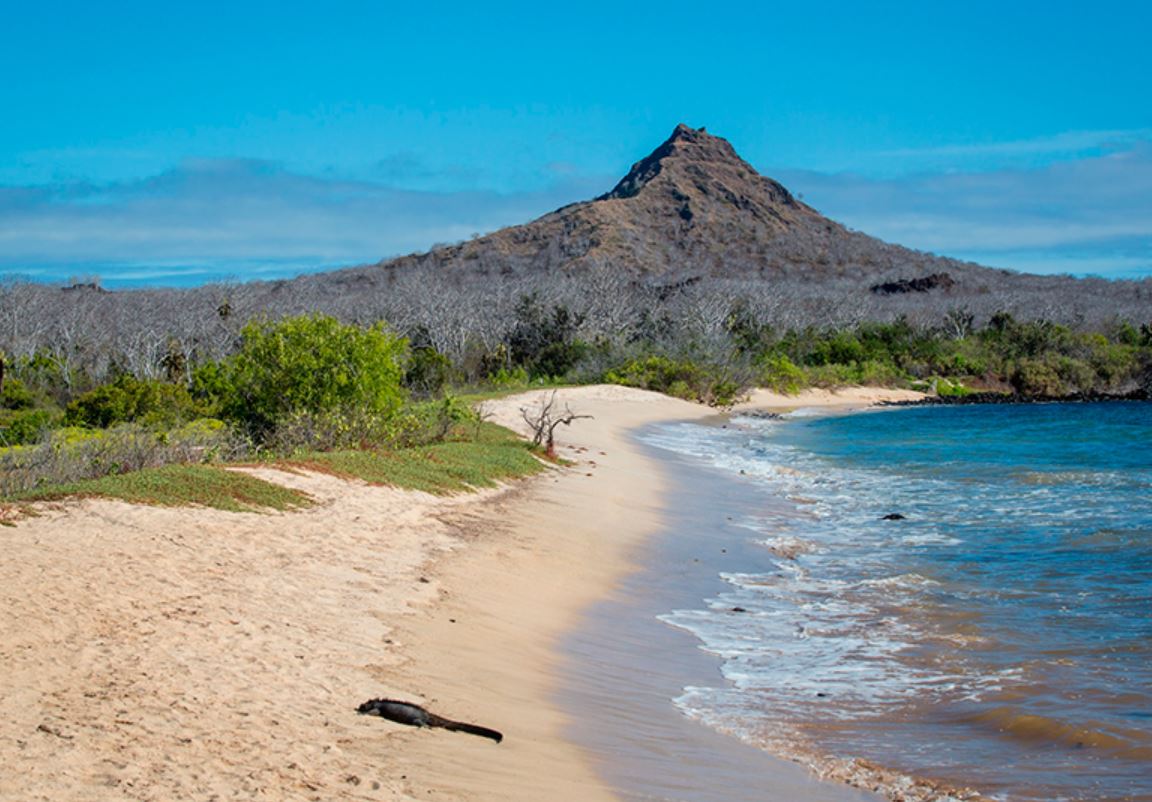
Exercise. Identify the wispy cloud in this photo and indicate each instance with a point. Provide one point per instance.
(1089, 215)
(245, 213)
(1068, 142)
(250, 218)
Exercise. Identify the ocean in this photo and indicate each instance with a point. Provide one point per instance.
(956, 593)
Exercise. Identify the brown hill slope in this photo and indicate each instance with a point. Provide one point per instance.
(692, 208)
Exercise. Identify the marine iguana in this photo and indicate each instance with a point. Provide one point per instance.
(416, 716)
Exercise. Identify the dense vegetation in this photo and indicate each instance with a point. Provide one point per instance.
(292, 388)
(695, 276)
(313, 388)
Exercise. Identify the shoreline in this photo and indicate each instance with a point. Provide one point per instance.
(172, 653)
(702, 542)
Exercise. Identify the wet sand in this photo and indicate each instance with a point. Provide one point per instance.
(195, 654)
(627, 663)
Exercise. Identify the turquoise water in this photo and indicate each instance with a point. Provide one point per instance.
(999, 635)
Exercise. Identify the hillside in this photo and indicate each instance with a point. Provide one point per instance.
(692, 208)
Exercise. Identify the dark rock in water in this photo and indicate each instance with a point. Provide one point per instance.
(894, 516)
(762, 414)
(416, 716)
(1014, 398)
(739, 610)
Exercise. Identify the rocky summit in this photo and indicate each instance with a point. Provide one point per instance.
(691, 209)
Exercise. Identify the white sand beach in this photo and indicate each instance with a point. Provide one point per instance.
(154, 653)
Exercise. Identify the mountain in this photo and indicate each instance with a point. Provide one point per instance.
(690, 209)
(691, 233)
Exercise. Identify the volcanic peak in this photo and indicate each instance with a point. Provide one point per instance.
(693, 157)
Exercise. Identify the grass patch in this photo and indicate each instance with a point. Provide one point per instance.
(488, 455)
(441, 468)
(180, 486)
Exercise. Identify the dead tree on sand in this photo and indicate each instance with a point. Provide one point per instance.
(543, 420)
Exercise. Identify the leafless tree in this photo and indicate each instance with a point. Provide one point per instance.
(544, 418)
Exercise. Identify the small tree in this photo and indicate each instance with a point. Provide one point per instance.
(309, 364)
(543, 420)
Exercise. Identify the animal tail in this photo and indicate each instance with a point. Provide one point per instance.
(471, 729)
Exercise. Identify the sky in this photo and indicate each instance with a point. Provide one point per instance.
(176, 143)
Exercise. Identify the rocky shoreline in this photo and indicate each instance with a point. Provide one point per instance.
(1013, 398)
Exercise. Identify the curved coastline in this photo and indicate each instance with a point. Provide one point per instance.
(178, 653)
(537, 565)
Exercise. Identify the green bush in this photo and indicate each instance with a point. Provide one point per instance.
(831, 376)
(874, 373)
(351, 428)
(708, 384)
(16, 395)
(543, 340)
(427, 372)
(870, 372)
(509, 378)
(1115, 366)
(943, 387)
(309, 365)
(776, 372)
(836, 348)
(1036, 377)
(27, 426)
(128, 399)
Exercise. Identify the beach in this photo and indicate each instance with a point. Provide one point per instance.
(154, 653)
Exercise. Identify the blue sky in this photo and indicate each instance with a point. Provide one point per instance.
(171, 143)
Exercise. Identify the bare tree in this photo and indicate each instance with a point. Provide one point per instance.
(545, 418)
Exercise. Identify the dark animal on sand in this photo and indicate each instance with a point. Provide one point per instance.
(416, 716)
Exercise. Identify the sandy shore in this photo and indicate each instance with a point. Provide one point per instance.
(194, 654)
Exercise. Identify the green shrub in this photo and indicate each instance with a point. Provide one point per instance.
(831, 376)
(427, 372)
(311, 365)
(16, 395)
(128, 399)
(836, 348)
(27, 426)
(351, 428)
(509, 378)
(947, 389)
(870, 373)
(873, 373)
(777, 372)
(943, 387)
(543, 340)
(708, 384)
(1036, 377)
(1116, 367)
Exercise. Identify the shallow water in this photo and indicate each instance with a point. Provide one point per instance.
(996, 636)
(624, 667)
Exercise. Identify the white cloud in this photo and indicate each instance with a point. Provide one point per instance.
(247, 212)
(1065, 217)
(1067, 142)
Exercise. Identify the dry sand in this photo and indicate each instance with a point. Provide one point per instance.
(162, 654)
